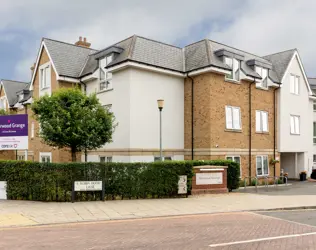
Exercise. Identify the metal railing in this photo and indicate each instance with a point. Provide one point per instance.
(266, 180)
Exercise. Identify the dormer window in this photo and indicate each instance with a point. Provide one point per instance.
(234, 64)
(21, 97)
(105, 76)
(263, 72)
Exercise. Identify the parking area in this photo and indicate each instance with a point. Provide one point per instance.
(216, 231)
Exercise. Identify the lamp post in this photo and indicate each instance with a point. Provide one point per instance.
(160, 107)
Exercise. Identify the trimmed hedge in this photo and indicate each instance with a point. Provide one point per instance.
(53, 181)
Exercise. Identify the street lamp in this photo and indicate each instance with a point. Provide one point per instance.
(160, 107)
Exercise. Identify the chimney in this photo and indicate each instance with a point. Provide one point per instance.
(83, 43)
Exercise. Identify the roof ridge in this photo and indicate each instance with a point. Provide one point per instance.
(280, 52)
(149, 39)
(194, 43)
(208, 52)
(237, 49)
(68, 43)
(14, 81)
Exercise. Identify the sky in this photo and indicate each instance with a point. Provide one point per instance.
(257, 26)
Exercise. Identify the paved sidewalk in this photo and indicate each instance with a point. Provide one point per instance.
(21, 213)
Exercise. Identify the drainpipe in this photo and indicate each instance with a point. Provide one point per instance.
(192, 117)
(274, 126)
(85, 92)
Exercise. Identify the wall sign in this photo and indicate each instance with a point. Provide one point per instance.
(88, 186)
(209, 178)
(14, 132)
(3, 190)
(182, 184)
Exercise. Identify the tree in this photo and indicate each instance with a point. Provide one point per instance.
(70, 119)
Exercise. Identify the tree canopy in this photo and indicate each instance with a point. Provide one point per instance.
(70, 119)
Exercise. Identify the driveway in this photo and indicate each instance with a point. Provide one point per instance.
(294, 188)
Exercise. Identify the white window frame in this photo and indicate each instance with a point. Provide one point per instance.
(45, 154)
(262, 158)
(107, 159)
(157, 158)
(106, 83)
(45, 76)
(263, 83)
(21, 157)
(234, 126)
(314, 134)
(295, 86)
(233, 76)
(260, 114)
(296, 129)
(233, 159)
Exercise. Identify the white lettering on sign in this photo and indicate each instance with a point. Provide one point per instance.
(209, 178)
(182, 184)
(88, 185)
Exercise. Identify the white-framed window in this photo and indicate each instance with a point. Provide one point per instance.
(45, 78)
(105, 76)
(164, 158)
(263, 72)
(21, 157)
(45, 157)
(234, 64)
(235, 159)
(106, 159)
(314, 158)
(294, 84)
(314, 132)
(295, 124)
(32, 129)
(262, 121)
(108, 107)
(233, 117)
(262, 165)
(3, 103)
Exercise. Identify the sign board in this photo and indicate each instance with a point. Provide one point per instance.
(88, 186)
(182, 184)
(3, 190)
(209, 178)
(14, 132)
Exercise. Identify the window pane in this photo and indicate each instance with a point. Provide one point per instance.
(236, 118)
(259, 165)
(229, 158)
(47, 76)
(314, 158)
(229, 62)
(297, 125)
(264, 116)
(236, 69)
(157, 158)
(109, 159)
(108, 60)
(237, 159)
(168, 158)
(102, 74)
(259, 70)
(264, 78)
(314, 128)
(258, 121)
(314, 106)
(42, 78)
(292, 80)
(297, 79)
(102, 159)
(265, 165)
(229, 118)
(292, 125)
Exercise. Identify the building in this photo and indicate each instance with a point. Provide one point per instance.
(312, 83)
(220, 102)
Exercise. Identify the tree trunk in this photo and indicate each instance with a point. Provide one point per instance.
(73, 155)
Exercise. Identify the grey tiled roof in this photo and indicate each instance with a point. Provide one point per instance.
(68, 59)
(280, 61)
(11, 87)
(150, 52)
(75, 61)
(312, 82)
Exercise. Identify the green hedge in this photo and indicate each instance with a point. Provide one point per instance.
(53, 181)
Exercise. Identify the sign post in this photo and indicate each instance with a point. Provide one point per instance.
(14, 132)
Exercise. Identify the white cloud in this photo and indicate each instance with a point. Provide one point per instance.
(259, 26)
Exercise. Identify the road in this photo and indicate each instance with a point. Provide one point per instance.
(245, 230)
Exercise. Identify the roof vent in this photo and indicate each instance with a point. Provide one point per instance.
(83, 43)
